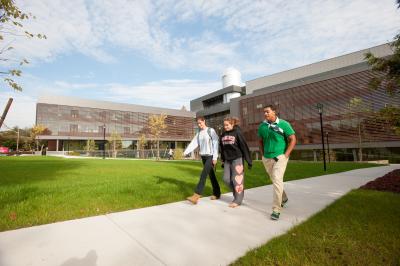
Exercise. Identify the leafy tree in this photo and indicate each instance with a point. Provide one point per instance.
(11, 19)
(114, 143)
(141, 144)
(157, 127)
(389, 68)
(357, 107)
(35, 132)
(391, 115)
(90, 146)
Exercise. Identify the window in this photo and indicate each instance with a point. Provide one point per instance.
(127, 117)
(73, 128)
(101, 129)
(74, 113)
(103, 115)
(127, 130)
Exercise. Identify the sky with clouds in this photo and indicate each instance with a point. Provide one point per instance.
(165, 53)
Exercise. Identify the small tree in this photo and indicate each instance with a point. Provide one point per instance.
(357, 108)
(157, 127)
(391, 115)
(141, 144)
(90, 146)
(115, 143)
(35, 132)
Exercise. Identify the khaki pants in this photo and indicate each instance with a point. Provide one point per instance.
(276, 171)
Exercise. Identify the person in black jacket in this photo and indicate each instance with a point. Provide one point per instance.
(234, 151)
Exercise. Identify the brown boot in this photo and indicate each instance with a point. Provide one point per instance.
(213, 197)
(193, 199)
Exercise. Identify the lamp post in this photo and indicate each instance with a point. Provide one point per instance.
(327, 142)
(320, 108)
(104, 141)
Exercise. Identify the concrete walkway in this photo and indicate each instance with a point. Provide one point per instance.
(178, 233)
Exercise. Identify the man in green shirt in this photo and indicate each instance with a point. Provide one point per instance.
(277, 140)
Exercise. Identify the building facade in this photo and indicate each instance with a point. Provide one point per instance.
(351, 119)
(70, 122)
(216, 105)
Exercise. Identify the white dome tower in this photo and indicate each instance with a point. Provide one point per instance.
(231, 76)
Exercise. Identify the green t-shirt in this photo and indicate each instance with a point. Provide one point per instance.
(274, 136)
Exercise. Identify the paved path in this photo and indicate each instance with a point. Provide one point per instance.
(178, 233)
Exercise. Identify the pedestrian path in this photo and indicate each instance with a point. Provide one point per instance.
(179, 233)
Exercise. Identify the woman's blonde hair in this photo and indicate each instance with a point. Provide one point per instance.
(234, 121)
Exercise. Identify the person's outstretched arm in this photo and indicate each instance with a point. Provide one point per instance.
(192, 146)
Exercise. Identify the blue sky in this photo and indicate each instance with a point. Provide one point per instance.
(165, 53)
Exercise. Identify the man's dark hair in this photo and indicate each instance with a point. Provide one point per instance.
(201, 118)
(271, 106)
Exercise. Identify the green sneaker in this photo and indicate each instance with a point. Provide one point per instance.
(275, 216)
(284, 203)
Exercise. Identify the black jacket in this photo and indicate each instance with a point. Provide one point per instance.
(233, 146)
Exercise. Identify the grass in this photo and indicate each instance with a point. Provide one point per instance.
(362, 228)
(40, 190)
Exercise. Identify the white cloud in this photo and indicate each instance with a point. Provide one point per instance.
(164, 93)
(257, 37)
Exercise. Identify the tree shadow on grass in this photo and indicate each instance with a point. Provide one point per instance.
(24, 170)
(184, 187)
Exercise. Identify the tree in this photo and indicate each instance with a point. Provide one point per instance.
(391, 115)
(357, 107)
(90, 146)
(11, 19)
(157, 127)
(114, 143)
(35, 132)
(389, 68)
(141, 144)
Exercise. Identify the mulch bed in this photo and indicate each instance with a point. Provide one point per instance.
(389, 182)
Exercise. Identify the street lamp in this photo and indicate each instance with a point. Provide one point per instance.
(104, 141)
(320, 108)
(327, 142)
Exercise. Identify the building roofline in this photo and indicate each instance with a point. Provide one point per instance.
(319, 67)
(107, 105)
(232, 88)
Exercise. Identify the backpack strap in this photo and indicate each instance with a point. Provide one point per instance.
(209, 133)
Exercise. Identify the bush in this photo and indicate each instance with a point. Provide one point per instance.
(178, 154)
(73, 153)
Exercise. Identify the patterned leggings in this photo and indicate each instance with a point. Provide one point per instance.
(234, 178)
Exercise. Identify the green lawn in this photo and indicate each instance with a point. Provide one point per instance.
(362, 228)
(39, 190)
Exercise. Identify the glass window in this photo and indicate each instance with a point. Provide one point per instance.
(74, 113)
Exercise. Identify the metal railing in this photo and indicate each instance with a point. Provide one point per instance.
(135, 154)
